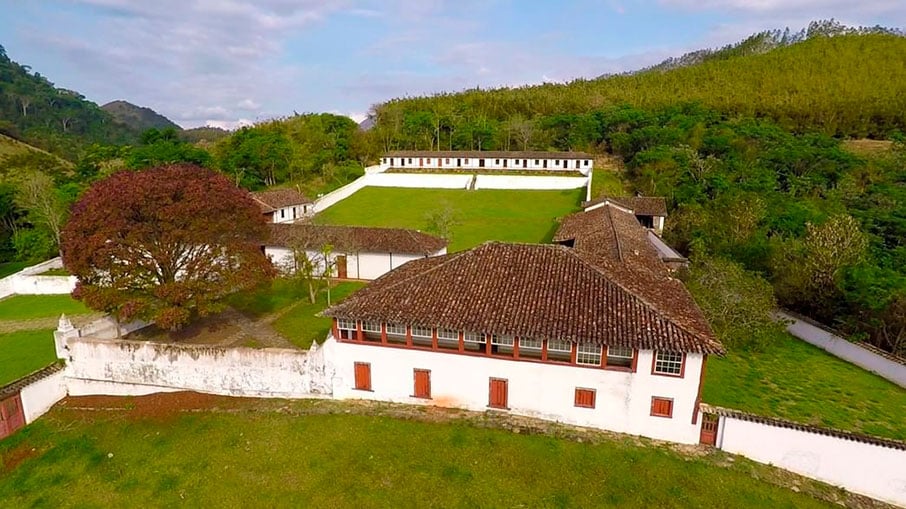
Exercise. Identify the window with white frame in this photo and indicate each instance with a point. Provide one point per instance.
(473, 341)
(346, 329)
(668, 363)
(559, 350)
(588, 354)
(502, 344)
(421, 336)
(372, 331)
(447, 338)
(530, 348)
(619, 356)
(396, 333)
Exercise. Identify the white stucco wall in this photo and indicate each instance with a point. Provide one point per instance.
(28, 281)
(872, 470)
(491, 163)
(267, 372)
(529, 182)
(38, 397)
(418, 180)
(623, 400)
(363, 265)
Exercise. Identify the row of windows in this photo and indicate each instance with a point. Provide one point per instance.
(507, 346)
(498, 391)
(496, 161)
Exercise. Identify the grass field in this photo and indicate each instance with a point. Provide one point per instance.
(482, 215)
(25, 307)
(301, 326)
(797, 381)
(606, 182)
(9, 268)
(23, 352)
(317, 454)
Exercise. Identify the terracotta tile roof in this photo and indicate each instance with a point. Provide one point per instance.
(273, 199)
(641, 205)
(355, 238)
(536, 291)
(492, 154)
(17, 385)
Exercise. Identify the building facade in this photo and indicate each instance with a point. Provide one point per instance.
(489, 160)
(284, 205)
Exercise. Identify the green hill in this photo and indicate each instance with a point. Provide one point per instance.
(58, 120)
(848, 85)
(138, 118)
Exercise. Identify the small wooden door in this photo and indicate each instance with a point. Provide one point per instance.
(341, 266)
(498, 393)
(12, 417)
(709, 429)
(363, 376)
(481, 163)
(504, 163)
(525, 163)
(422, 384)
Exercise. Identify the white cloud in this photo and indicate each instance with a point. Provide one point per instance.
(248, 104)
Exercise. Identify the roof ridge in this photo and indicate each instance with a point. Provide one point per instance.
(616, 236)
(651, 307)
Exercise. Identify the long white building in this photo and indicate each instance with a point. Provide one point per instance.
(489, 160)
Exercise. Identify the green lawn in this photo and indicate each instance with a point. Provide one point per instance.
(23, 352)
(606, 182)
(10, 268)
(514, 216)
(25, 307)
(268, 457)
(301, 326)
(797, 381)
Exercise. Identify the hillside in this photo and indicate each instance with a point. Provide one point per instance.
(137, 117)
(848, 85)
(58, 120)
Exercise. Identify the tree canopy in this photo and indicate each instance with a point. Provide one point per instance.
(164, 244)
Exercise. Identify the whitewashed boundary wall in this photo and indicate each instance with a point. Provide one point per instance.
(39, 396)
(420, 180)
(530, 182)
(28, 281)
(866, 465)
(821, 337)
(112, 367)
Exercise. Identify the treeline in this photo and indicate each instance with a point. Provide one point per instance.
(824, 226)
(314, 153)
(60, 121)
(838, 83)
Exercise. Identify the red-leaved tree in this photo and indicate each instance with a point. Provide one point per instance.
(164, 243)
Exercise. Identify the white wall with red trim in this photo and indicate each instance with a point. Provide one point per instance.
(359, 265)
(542, 390)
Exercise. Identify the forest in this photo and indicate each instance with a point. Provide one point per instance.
(747, 142)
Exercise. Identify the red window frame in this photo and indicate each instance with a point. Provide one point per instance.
(585, 398)
(661, 407)
(682, 371)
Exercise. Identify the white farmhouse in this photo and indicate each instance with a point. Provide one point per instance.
(489, 160)
(283, 205)
(356, 252)
(598, 334)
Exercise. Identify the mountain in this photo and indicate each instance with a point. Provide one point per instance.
(138, 117)
(842, 82)
(55, 119)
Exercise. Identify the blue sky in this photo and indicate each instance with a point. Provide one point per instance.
(225, 62)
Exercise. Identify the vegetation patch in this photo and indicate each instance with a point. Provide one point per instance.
(794, 380)
(301, 325)
(477, 216)
(330, 454)
(26, 307)
(10, 268)
(23, 352)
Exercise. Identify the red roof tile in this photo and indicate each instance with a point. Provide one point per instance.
(641, 205)
(355, 238)
(273, 199)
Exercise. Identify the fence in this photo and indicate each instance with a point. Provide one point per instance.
(29, 281)
(867, 465)
(822, 337)
(30, 397)
(529, 182)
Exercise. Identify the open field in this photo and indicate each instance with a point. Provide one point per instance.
(10, 268)
(23, 352)
(482, 215)
(797, 381)
(606, 181)
(239, 452)
(26, 307)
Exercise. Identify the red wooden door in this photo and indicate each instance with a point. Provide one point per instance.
(709, 429)
(363, 376)
(498, 393)
(422, 384)
(341, 266)
(12, 417)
